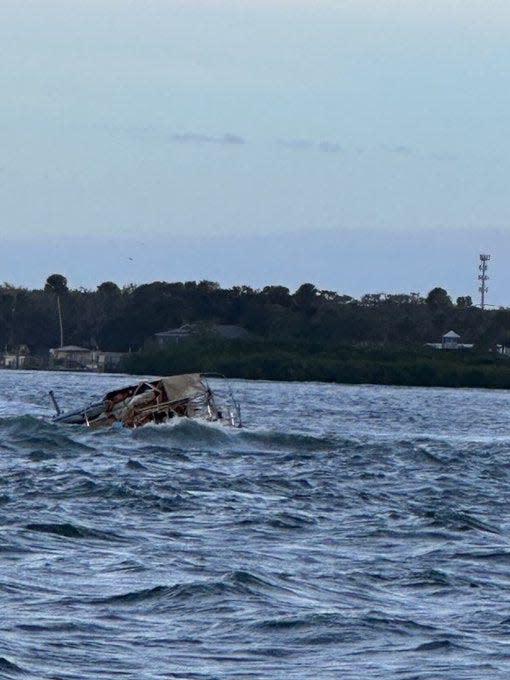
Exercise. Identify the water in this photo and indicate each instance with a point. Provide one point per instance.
(345, 532)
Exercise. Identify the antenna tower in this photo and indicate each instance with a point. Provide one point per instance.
(483, 278)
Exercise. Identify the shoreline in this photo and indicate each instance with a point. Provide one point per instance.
(342, 365)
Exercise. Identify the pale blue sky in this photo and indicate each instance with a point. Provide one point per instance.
(217, 138)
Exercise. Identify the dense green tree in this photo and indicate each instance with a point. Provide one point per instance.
(438, 299)
(306, 299)
(108, 289)
(56, 283)
(277, 295)
(464, 301)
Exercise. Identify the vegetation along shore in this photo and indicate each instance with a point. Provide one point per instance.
(269, 333)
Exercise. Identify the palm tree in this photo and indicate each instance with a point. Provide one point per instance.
(57, 283)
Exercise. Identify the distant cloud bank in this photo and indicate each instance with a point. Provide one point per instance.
(325, 146)
(329, 147)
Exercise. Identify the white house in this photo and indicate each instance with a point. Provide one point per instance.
(450, 340)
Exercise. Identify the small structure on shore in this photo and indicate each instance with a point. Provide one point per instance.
(17, 357)
(74, 357)
(188, 331)
(450, 340)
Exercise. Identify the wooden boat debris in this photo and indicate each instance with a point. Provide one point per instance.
(156, 401)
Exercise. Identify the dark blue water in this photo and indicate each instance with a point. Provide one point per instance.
(345, 532)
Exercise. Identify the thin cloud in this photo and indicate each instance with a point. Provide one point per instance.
(329, 147)
(191, 138)
(228, 139)
(325, 146)
(399, 150)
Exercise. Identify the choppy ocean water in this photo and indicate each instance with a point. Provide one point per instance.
(345, 532)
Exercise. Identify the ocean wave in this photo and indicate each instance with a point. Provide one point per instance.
(233, 585)
(69, 530)
(184, 431)
(297, 442)
(459, 520)
(10, 668)
(350, 533)
(443, 646)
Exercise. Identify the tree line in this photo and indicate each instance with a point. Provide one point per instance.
(126, 318)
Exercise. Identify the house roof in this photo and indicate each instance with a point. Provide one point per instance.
(230, 332)
(182, 332)
(451, 334)
(71, 348)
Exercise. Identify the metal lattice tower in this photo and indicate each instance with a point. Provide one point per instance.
(483, 278)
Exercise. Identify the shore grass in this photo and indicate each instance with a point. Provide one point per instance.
(310, 362)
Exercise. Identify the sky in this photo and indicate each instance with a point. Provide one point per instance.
(360, 145)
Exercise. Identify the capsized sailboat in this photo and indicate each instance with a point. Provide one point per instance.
(156, 401)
